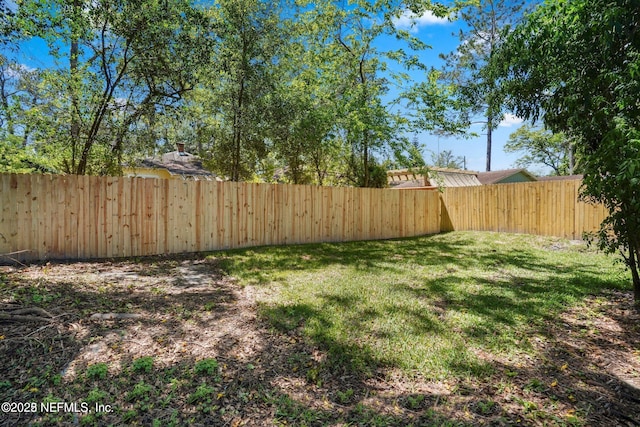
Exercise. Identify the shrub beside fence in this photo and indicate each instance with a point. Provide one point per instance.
(548, 208)
(82, 217)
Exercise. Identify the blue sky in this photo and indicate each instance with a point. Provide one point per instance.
(441, 35)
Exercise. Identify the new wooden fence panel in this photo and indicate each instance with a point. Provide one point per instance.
(37, 221)
(57, 215)
(24, 227)
(92, 217)
(432, 201)
(8, 233)
(409, 221)
(71, 217)
(308, 214)
(95, 219)
(346, 223)
(548, 208)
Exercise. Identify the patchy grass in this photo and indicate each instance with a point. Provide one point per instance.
(448, 330)
(429, 306)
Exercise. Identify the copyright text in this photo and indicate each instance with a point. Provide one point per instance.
(53, 407)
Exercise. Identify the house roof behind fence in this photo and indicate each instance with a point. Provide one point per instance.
(177, 163)
(494, 177)
(412, 183)
(444, 177)
(439, 177)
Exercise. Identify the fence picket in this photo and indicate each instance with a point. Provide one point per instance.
(70, 217)
(549, 208)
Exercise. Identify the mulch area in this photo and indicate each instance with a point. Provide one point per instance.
(585, 370)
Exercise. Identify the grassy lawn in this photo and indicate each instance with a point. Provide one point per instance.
(456, 329)
(427, 305)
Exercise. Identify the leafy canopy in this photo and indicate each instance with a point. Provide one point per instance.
(542, 147)
(575, 64)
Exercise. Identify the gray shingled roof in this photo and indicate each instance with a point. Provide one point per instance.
(176, 163)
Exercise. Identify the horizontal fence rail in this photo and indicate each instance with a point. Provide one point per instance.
(547, 208)
(81, 217)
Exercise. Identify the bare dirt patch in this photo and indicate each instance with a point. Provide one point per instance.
(181, 311)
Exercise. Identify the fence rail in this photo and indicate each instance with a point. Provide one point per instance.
(81, 217)
(548, 208)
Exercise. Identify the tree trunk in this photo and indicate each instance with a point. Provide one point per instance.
(237, 135)
(365, 158)
(489, 130)
(74, 86)
(317, 162)
(4, 100)
(572, 160)
(634, 255)
(365, 136)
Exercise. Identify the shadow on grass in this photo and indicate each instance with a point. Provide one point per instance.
(307, 371)
(459, 250)
(471, 291)
(258, 265)
(274, 379)
(584, 366)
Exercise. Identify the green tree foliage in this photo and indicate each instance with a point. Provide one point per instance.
(239, 82)
(304, 117)
(312, 91)
(23, 113)
(335, 91)
(542, 147)
(368, 126)
(432, 106)
(575, 64)
(5, 22)
(294, 90)
(477, 94)
(125, 59)
(446, 159)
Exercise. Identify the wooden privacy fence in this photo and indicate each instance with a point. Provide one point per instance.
(78, 217)
(548, 208)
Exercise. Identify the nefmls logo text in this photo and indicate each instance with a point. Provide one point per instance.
(53, 407)
(75, 407)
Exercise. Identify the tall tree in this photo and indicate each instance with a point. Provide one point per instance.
(304, 117)
(542, 147)
(301, 86)
(24, 110)
(239, 81)
(575, 64)
(485, 20)
(368, 126)
(431, 105)
(123, 56)
(6, 24)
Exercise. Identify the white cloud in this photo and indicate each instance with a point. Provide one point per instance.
(14, 71)
(509, 120)
(409, 21)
